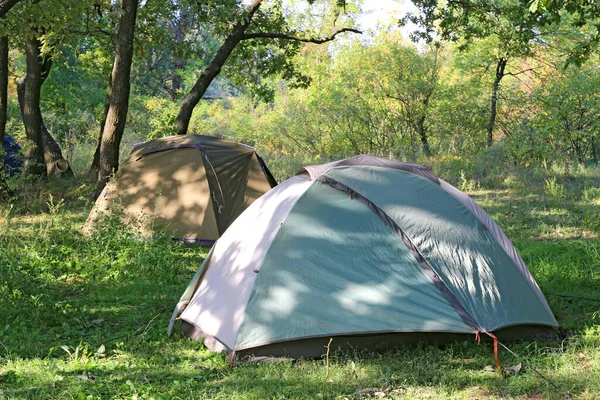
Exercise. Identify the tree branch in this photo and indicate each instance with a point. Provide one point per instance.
(274, 35)
(6, 5)
(532, 69)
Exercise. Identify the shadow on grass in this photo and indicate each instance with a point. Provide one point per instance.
(50, 299)
(530, 211)
(433, 372)
(93, 313)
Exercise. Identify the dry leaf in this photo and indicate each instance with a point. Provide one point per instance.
(89, 377)
(363, 392)
(515, 369)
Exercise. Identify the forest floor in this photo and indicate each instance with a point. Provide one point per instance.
(87, 319)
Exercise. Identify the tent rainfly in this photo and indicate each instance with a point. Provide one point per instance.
(368, 252)
(193, 185)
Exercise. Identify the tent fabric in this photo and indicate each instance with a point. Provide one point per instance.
(423, 263)
(358, 249)
(500, 237)
(362, 291)
(459, 247)
(193, 186)
(221, 297)
(12, 159)
(317, 170)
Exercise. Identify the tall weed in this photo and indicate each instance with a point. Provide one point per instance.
(554, 189)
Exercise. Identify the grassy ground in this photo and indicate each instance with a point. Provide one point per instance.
(86, 319)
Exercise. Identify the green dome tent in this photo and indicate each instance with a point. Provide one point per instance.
(370, 252)
(193, 185)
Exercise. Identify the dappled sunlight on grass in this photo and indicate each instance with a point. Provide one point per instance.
(87, 318)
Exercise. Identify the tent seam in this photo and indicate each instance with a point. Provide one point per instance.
(531, 282)
(425, 266)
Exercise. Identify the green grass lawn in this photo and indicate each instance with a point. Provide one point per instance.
(87, 319)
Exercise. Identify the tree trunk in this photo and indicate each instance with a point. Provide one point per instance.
(500, 66)
(54, 161)
(3, 105)
(214, 68)
(178, 66)
(430, 88)
(3, 87)
(31, 84)
(56, 164)
(179, 27)
(422, 131)
(95, 167)
(119, 99)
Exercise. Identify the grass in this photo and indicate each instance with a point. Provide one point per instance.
(86, 319)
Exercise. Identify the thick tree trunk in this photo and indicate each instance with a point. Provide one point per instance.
(31, 84)
(3, 104)
(95, 167)
(119, 99)
(214, 68)
(500, 66)
(54, 161)
(56, 164)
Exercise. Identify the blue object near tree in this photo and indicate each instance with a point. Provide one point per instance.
(12, 157)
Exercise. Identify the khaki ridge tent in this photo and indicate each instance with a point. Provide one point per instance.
(368, 252)
(192, 186)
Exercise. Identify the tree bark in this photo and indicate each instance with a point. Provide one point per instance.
(119, 99)
(422, 131)
(179, 27)
(56, 164)
(54, 161)
(95, 167)
(31, 84)
(3, 104)
(500, 66)
(3, 87)
(238, 33)
(214, 68)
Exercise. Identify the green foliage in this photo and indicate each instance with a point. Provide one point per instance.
(569, 112)
(259, 64)
(554, 189)
(504, 21)
(368, 99)
(93, 311)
